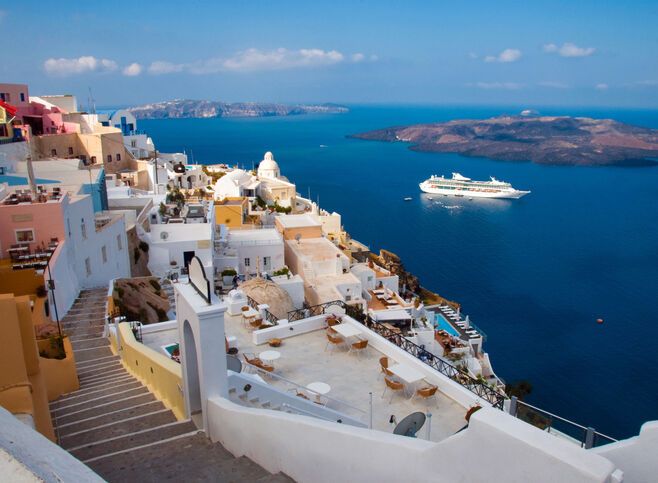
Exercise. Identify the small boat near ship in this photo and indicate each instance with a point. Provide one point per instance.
(461, 186)
(408, 198)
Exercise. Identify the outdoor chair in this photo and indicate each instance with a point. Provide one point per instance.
(257, 362)
(427, 392)
(359, 347)
(334, 341)
(383, 362)
(394, 386)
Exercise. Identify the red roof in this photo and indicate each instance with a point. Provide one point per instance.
(9, 108)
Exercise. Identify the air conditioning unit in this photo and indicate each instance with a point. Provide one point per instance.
(164, 235)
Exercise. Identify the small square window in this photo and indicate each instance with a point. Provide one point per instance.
(88, 266)
(104, 253)
(70, 151)
(109, 158)
(93, 160)
(53, 152)
(119, 243)
(22, 96)
(25, 236)
(247, 262)
(118, 157)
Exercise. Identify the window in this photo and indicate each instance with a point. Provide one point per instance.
(70, 151)
(119, 244)
(88, 266)
(109, 158)
(118, 157)
(266, 261)
(93, 160)
(104, 253)
(25, 236)
(4, 132)
(83, 229)
(5, 96)
(22, 96)
(247, 262)
(68, 225)
(133, 143)
(53, 152)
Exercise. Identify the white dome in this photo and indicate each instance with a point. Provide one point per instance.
(268, 167)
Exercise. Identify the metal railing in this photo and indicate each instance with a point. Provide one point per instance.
(314, 310)
(587, 437)
(269, 316)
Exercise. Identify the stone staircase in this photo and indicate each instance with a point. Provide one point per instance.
(116, 426)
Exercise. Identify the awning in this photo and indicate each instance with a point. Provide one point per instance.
(11, 110)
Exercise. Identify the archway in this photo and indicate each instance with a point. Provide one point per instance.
(190, 366)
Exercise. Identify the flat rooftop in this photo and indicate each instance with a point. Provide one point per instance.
(297, 221)
(304, 360)
(258, 235)
(315, 249)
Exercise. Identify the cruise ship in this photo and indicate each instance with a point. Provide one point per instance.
(460, 185)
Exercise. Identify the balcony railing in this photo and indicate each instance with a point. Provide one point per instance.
(269, 316)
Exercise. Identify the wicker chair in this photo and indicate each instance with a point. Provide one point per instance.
(394, 386)
(334, 341)
(383, 363)
(257, 362)
(275, 342)
(359, 347)
(427, 392)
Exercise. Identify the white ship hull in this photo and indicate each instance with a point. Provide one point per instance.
(472, 193)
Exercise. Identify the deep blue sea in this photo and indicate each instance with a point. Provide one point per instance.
(534, 274)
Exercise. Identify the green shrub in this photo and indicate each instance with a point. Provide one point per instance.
(229, 272)
(283, 271)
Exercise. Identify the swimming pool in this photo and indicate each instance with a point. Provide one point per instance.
(20, 180)
(442, 324)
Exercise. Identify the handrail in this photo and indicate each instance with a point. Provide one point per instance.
(588, 438)
(304, 388)
(269, 316)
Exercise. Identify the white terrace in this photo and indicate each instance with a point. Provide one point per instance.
(305, 359)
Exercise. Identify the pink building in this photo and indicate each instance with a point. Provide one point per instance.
(42, 116)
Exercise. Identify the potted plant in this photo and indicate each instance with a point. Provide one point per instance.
(227, 276)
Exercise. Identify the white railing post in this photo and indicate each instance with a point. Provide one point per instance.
(429, 426)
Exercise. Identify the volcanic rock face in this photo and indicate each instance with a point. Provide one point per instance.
(187, 108)
(141, 299)
(544, 140)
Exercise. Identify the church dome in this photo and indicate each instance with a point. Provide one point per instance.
(268, 167)
(267, 292)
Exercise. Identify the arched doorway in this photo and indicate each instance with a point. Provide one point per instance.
(190, 365)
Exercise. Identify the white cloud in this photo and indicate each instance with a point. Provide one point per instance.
(647, 83)
(601, 86)
(569, 50)
(472, 55)
(132, 70)
(554, 84)
(253, 60)
(358, 57)
(71, 66)
(497, 85)
(162, 67)
(506, 56)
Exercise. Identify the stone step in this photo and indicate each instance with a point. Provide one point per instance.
(109, 374)
(114, 379)
(87, 333)
(99, 369)
(105, 408)
(118, 428)
(132, 411)
(93, 362)
(85, 355)
(89, 343)
(75, 406)
(131, 440)
(109, 389)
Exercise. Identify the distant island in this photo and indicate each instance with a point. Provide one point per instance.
(577, 141)
(187, 108)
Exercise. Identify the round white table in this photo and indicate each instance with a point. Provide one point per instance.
(269, 356)
(319, 387)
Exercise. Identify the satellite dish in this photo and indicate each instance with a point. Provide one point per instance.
(410, 425)
(164, 235)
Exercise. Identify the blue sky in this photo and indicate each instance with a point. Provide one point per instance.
(570, 53)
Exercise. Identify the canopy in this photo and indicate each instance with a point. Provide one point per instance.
(391, 314)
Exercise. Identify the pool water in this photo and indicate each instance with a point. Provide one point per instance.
(442, 324)
(20, 180)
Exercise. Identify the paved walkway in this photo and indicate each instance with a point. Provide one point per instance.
(119, 429)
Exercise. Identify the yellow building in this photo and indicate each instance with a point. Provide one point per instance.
(233, 212)
(33, 371)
